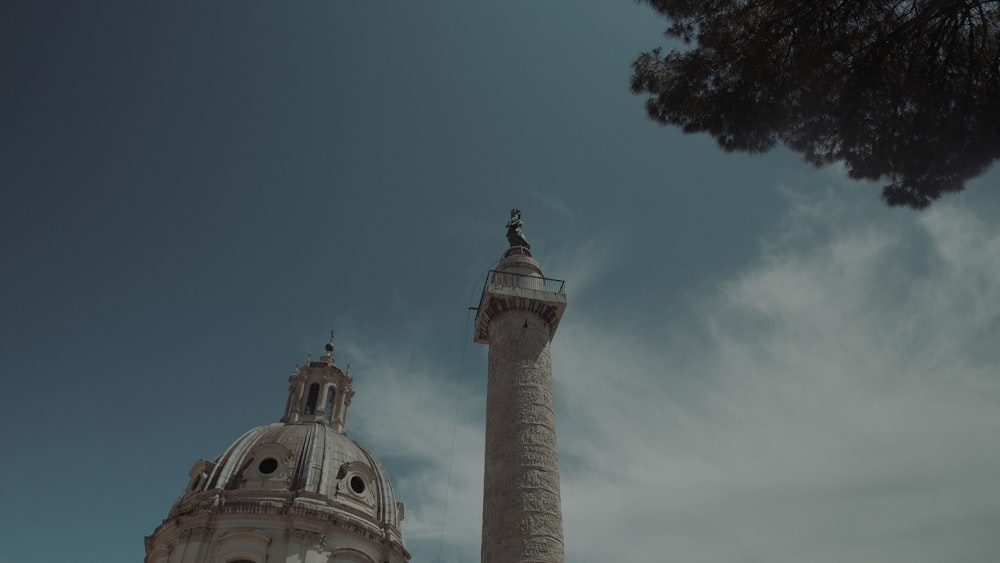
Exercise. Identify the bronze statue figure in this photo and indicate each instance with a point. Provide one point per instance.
(514, 235)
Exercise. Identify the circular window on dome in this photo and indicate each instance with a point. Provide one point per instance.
(268, 466)
(357, 484)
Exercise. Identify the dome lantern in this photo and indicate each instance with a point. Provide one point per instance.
(320, 392)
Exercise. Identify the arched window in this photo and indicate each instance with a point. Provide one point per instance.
(311, 401)
(330, 394)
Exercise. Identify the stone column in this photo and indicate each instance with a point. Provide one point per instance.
(522, 514)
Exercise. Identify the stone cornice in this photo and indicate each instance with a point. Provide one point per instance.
(214, 506)
(495, 303)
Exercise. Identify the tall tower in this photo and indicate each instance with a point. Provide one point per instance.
(518, 315)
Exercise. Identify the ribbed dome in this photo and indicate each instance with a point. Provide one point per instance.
(304, 465)
(297, 490)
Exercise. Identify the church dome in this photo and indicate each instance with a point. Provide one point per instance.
(304, 465)
(298, 484)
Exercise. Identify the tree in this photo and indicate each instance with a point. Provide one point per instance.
(907, 91)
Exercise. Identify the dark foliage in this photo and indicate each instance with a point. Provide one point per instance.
(907, 91)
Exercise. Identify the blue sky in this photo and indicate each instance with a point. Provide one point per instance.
(759, 361)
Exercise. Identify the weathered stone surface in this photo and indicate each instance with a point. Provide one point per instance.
(522, 515)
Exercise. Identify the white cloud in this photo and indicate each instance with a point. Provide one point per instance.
(837, 401)
(837, 411)
(407, 416)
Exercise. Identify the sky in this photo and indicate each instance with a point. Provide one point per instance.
(759, 361)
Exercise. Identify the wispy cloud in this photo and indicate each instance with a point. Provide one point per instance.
(836, 401)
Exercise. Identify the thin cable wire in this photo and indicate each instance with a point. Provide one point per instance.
(458, 407)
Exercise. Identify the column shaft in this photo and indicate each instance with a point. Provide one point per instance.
(522, 516)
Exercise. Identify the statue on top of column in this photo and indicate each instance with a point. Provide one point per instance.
(514, 235)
